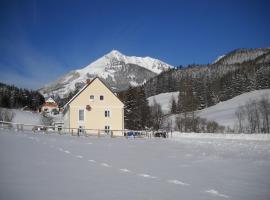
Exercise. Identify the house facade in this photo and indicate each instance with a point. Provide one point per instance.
(95, 109)
(49, 106)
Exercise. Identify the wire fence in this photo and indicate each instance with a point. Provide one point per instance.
(82, 131)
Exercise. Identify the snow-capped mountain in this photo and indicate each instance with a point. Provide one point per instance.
(118, 70)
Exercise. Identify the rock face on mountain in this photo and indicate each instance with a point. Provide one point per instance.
(119, 72)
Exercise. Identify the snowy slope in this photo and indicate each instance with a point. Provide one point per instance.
(223, 112)
(117, 69)
(115, 58)
(49, 166)
(164, 99)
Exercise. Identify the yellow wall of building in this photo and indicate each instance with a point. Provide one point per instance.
(95, 118)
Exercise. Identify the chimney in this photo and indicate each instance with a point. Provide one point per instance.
(88, 81)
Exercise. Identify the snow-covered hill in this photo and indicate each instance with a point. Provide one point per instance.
(223, 112)
(164, 99)
(118, 70)
(241, 55)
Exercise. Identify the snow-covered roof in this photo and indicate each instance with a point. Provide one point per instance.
(50, 100)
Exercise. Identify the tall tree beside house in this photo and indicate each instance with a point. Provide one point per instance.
(137, 111)
(143, 109)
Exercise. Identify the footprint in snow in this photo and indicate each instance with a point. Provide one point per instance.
(125, 170)
(177, 182)
(93, 161)
(105, 165)
(216, 193)
(79, 156)
(67, 152)
(89, 143)
(147, 176)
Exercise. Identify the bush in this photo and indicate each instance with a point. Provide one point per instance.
(6, 115)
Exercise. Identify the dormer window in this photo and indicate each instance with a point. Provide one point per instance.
(101, 97)
(92, 97)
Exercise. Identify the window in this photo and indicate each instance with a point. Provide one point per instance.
(101, 97)
(107, 113)
(92, 97)
(81, 115)
(107, 129)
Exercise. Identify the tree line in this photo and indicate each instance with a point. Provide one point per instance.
(253, 116)
(14, 97)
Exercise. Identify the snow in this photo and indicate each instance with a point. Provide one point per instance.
(104, 67)
(37, 166)
(229, 136)
(164, 99)
(26, 117)
(223, 112)
(114, 59)
(220, 57)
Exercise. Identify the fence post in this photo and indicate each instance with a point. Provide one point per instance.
(98, 133)
(111, 134)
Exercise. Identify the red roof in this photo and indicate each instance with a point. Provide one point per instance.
(50, 104)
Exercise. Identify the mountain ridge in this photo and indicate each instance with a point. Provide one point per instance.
(118, 70)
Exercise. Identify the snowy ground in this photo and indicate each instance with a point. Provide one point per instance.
(39, 166)
(223, 112)
(26, 117)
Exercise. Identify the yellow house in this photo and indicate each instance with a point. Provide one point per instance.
(95, 109)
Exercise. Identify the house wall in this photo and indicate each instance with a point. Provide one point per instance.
(95, 118)
(67, 120)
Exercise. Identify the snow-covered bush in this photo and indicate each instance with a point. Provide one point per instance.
(6, 115)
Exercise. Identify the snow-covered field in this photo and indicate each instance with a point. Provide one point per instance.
(40, 166)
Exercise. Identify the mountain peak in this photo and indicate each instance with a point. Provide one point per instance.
(114, 53)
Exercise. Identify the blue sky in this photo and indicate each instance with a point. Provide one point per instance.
(42, 40)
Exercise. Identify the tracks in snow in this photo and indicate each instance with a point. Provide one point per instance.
(211, 192)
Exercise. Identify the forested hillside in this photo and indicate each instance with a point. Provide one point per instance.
(13, 97)
(202, 86)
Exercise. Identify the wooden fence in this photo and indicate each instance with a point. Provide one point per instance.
(75, 131)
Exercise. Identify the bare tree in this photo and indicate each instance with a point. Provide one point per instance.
(212, 127)
(179, 123)
(6, 115)
(46, 120)
(264, 108)
(240, 115)
(157, 115)
(253, 116)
